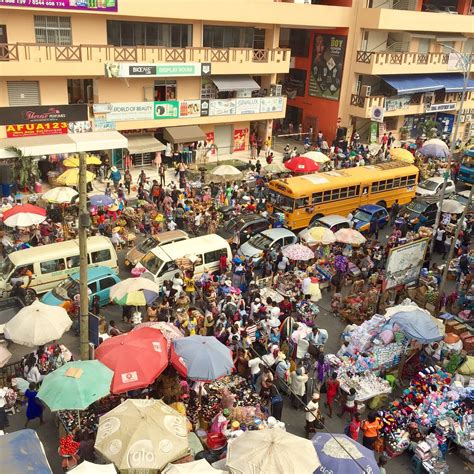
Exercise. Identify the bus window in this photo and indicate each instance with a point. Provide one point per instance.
(389, 184)
(317, 198)
(375, 187)
(282, 202)
(101, 256)
(396, 183)
(353, 191)
(302, 202)
(403, 181)
(335, 194)
(343, 194)
(327, 196)
(411, 180)
(382, 185)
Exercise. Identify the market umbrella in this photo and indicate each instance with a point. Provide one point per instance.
(226, 171)
(340, 454)
(87, 467)
(37, 324)
(74, 161)
(271, 451)
(194, 467)
(71, 177)
(349, 236)
(5, 355)
(136, 358)
(22, 451)
(435, 147)
(401, 154)
(298, 252)
(101, 200)
(204, 358)
(321, 235)
(170, 331)
(275, 168)
(134, 292)
(316, 156)
(301, 164)
(142, 434)
(76, 385)
(60, 195)
(452, 207)
(24, 215)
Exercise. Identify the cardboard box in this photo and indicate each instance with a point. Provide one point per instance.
(459, 329)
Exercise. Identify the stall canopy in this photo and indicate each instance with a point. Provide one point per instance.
(144, 144)
(411, 84)
(56, 144)
(186, 134)
(234, 83)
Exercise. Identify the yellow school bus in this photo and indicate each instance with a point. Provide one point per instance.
(305, 198)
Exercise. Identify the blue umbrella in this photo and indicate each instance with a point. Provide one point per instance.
(205, 358)
(436, 148)
(101, 200)
(418, 325)
(340, 454)
(22, 452)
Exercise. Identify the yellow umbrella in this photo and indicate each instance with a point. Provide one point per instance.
(322, 235)
(401, 154)
(74, 161)
(71, 177)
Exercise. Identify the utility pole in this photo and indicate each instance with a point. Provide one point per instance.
(466, 69)
(84, 222)
(453, 244)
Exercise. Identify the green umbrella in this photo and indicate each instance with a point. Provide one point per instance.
(76, 385)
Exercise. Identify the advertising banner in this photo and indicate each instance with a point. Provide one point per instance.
(240, 137)
(121, 112)
(374, 132)
(167, 109)
(35, 129)
(401, 102)
(43, 114)
(189, 108)
(440, 107)
(120, 69)
(80, 127)
(327, 66)
(222, 107)
(248, 105)
(101, 125)
(84, 5)
(271, 104)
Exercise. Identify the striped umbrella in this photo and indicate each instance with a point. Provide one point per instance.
(24, 215)
(134, 292)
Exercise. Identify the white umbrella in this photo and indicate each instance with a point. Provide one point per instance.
(226, 170)
(5, 355)
(132, 287)
(195, 467)
(87, 467)
(271, 451)
(38, 324)
(316, 156)
(60, 195)
(452, 207)
(275, 168)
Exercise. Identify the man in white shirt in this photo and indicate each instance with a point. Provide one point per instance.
(305, 285)
(283, 263)
(312, 410)
(254, 365)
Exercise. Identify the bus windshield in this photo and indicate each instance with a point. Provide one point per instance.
(7, 267)
(281, 202)
(417, 206)
(362, 216)
(260, 241)
(151, 262)
(147, 245)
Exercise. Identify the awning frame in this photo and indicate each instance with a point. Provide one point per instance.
(232, 83)
(184, 134)
(144, 144)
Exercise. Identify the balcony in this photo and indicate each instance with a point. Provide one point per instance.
(27, 59)
(391, 62)
(404, 105)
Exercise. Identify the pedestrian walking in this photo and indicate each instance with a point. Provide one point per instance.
(34, 407)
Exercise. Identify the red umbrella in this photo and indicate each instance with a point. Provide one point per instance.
(24, 215)
(301, 164)
(137, 358)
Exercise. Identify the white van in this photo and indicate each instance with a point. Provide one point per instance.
(207, 250)
(50, 264)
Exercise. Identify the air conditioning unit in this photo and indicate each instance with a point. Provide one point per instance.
(365, 91)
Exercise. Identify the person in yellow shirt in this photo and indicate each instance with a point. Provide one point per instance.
(190, 286)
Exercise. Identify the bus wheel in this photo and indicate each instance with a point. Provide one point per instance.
(30, 296)
(314, 218)
(382, 204)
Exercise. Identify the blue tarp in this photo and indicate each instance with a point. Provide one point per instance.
(22, 451)
(412, 83)
(418, 325)
(453, 82)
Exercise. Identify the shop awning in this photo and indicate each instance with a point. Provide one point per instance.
(411, 84)
(234, 83)
(185, 134)
(453, 82)
(144, 144)
(92, 141)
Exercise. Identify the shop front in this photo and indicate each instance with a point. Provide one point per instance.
(143, 149)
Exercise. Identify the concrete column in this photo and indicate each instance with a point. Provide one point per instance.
(272, 37)
(197, 34)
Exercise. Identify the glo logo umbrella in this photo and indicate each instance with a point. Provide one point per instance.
(24, 215)
(301, 164)
(136, 358)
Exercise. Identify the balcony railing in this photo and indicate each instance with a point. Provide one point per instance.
(401, 58)
(152, 54)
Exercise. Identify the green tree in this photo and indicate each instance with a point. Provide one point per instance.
(25, 169)
(428, 128)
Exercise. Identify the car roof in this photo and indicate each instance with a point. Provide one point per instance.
(332, 219)
(464, 193)
(93, 273)
(436, 179)
(248, 218)
(371, 208)
(278, 232)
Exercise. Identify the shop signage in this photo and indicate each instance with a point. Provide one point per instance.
(190, 108)
(101, 125)
(271, 104)
(440, 107)
(43, 114)
(397, 103)
(377, 114)
(168, 109)
(80, 127)
(86, 5)
(130, 111)
(240, 137)
(222, 107)
(374, 130)
(204, 108)
(249, 105)
(156, 70)
(34, 129)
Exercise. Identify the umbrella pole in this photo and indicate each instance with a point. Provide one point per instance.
(79, 418)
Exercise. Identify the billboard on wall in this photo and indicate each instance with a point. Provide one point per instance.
(85, 5)
(119, 69)
(43, 114)
(327, 66)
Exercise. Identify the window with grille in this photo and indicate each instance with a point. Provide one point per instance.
(53, 30)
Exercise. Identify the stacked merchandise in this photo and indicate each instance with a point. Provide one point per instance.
(367, 386)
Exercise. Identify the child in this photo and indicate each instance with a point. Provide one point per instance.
(349, 406)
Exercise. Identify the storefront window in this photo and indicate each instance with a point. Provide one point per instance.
(80, 91)
(165, 90)
(228, 37)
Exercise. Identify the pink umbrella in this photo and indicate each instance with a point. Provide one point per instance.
(169, 331)
(298, 252)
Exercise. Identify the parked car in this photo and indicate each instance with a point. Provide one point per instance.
(135, 254)
(420, 206)
(462, 197)
(466, 172)
(365, 214)
(245, 225)
(99, 281)
(268, 239)
(332, 222)
(433, 187)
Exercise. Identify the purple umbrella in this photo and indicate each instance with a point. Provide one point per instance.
(101, 200)
(435, 147)
(340, 454)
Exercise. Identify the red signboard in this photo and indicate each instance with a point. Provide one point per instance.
(240, 137)
(34, 129)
